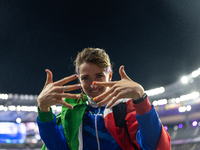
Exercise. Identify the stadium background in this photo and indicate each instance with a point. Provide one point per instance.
(157, 42)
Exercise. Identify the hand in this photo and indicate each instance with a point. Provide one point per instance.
(125, 88)
(53, 93)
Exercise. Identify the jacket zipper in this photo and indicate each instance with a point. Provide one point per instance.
(96, 128)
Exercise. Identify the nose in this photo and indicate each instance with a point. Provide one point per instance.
(92, 85)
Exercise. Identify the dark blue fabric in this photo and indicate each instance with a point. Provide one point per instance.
(52, 135)
(150, 129)
(107, 142)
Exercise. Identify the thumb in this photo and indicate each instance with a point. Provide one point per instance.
(49, 78)
(123, 73)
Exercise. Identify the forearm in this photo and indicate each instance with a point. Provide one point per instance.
(50, 133)
(149, 131)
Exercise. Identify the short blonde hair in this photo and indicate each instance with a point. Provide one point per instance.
(93, 55)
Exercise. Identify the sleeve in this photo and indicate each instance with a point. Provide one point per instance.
(149, 131)
(50, 132)
(150, 126)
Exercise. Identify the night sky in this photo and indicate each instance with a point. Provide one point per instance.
(157, 41)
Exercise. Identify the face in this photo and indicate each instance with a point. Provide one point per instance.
(90, 72)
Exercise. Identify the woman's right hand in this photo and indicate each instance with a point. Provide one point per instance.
(53, 93)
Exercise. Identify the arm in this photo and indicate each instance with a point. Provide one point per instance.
(52, 94)
(149, 123)
(50, 132)
(151, 134)
(150, 127)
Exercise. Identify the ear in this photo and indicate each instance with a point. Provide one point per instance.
(110, 76)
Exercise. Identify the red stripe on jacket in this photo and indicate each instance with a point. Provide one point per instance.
(121, 135)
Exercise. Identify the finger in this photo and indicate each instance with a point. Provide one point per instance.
(123, 73)
(107, 84)
(103, 95)
(106, 100)
(65, 95)
(65, 80)
(72, 87)
(112, 102)
(49, 78)
(112, 94)
(64, 104)
(114, 99)
(67, 88)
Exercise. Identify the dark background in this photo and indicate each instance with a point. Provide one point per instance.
(156, 40)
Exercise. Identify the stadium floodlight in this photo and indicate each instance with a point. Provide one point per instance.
(4, 96)
(190, 96)
(195, 73)
(175, 127)
(31, 97)
(26, 97)
(182, 109)
(160, 102)
(21, 97)
(18, 120)
(184, 79)
(194, 123)
(12, 108)
(155, 91)
(188, 107)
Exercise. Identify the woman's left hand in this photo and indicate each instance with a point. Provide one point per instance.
(125, 88)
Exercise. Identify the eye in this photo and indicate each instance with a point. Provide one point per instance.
(84, 78)
(100, 76)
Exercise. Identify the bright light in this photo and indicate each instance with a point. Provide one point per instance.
(184, 108)
(195, 73)
(21, 97)
(180, 125)
(1, 107)
(175, 127)
(12, 108)
(16, 96)
(188, 108)
(26, 108)
(4, 96)
(37, 136)
(194, 123)
(177, 100)
(155, 91)
(189, 96)
(31, 97)
(26, 97)
(18, 120)
(184, 80)
(186, 97)
(160, 102)
(10, 96)
(5, 108)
